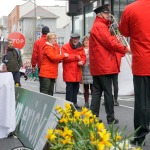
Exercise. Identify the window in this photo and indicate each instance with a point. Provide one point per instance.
(60, 41)
(78, 24)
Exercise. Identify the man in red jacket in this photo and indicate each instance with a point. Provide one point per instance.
(37, 49)
(103, 62)
(135, 24)
(72, 66)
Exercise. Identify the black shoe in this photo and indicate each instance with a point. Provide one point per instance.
(116, 103)
(112, 121)
(77, 106)
(86, 105)
(137, 142)
(10, 134)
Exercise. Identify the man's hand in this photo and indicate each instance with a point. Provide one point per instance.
(80, 63)
(66, 54)
(128, 50)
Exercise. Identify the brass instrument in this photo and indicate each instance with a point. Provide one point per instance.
(120, 38)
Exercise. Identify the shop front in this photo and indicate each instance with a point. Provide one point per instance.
(83, 16)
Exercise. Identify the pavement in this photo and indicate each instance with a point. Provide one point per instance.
(124, 112)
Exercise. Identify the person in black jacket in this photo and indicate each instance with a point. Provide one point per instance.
(13, 61)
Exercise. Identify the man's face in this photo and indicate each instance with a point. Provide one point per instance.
(10, 44)
(75, 41)
(106, 15)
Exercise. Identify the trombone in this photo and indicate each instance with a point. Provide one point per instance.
(120, 38)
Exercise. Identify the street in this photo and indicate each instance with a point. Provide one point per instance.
(123, 112)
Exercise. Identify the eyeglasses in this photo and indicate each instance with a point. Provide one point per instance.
(54, 38)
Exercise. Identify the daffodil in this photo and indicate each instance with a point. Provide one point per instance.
(100, 146)
(118, 137)
(51, 136)
(105, 138)
(67, 132)
(68, 106)
(67, 140)
(86, 121)
(77, 114)
(76, 130)
(63, 120)
(84, 110)
(92, 136)
(100, 126)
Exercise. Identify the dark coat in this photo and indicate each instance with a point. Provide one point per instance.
(14, 61)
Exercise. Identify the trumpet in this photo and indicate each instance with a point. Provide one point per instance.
(120, 38)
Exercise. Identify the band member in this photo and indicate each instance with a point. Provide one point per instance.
(135, 24)
(103, 62)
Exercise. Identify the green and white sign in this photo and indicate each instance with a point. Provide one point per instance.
(34, 115)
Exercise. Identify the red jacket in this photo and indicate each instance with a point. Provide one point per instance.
(135, 24)
(51, 58)
(118, 55)
(71, 69)
(37, 51)
(102, 49)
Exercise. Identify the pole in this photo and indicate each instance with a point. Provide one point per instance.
(35, 19)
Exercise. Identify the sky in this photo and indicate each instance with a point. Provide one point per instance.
(6, 6)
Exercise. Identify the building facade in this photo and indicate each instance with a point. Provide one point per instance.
(29, 19)
(83, 16)
(3, 35)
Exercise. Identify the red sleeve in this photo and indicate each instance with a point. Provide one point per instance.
(123, 25)
(83, 56)
(71, 57)
(52, 55)
(107, 41)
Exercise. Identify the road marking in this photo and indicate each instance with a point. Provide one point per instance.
(126, 106)
(23, 84)
(119, 99)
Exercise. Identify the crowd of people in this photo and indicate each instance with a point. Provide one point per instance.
(96, 63)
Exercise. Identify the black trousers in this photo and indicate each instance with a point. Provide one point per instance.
(115, 85)
(100, 84)
(16, 77)
(72, 89)
(47, 86)
(142, 105)
(86, 91)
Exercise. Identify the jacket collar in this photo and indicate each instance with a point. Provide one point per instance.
(75, 47)
(43, 35)
(106, 22)
(49, 43)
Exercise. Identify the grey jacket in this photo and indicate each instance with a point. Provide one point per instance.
(87, 78)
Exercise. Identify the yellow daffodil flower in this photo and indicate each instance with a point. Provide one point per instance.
(77, 114)
(68, 106)
(100, 126)
(118, 137)
(50, 135)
